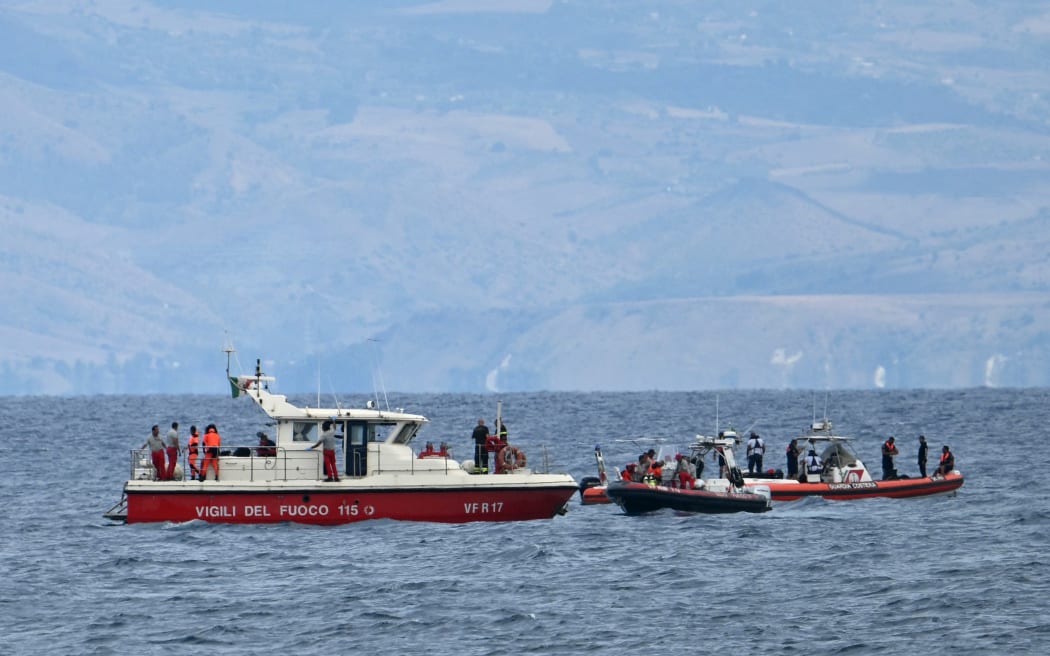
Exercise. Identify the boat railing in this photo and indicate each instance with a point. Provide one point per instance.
(289, 464)
(268, 467)
(259, 467)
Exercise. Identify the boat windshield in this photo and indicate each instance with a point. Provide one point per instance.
(838, 454)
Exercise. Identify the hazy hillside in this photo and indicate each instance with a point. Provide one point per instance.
(524, 194)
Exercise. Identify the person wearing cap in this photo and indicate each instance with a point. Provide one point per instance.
(889, 452)
(266, 448)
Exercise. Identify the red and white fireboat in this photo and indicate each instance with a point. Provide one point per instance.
(380, 478)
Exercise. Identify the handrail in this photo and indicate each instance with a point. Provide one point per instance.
(139, 459)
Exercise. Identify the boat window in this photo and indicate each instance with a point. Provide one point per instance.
(304, 431)
(380, 432)
(356, 434)
(405, 433)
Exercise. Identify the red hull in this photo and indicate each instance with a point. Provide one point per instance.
(899, 489)
(328, 507)
(594, 496)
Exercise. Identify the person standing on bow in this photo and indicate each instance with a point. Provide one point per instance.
(889, 452)
(756, 448)
(328, 442)
(173, 449)
(156, 452)
(922, 455)
(212, 442)
(194, 450)
(481, 452)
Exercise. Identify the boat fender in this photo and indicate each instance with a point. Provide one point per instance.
(736, 477)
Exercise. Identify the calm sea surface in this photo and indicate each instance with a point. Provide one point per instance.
(962, 575)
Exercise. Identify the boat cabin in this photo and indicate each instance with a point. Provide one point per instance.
(840, 464)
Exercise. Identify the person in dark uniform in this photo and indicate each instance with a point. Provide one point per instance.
(756, 448)
(481, 454)
(922, 455)
(792, 458)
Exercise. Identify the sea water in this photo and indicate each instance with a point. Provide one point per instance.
(962, 575)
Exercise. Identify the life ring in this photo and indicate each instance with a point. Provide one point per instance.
(736, 477)
(511, 457)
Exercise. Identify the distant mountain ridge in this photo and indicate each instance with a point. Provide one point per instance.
(526, 195)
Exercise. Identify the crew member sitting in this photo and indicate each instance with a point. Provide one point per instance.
(947, 462)
(428, 451)
(628, 472)
(266, 448)
(657, 469)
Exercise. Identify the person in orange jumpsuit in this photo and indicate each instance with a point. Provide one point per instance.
(194, 449)
(212, 442)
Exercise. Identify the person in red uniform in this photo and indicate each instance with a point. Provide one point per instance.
(156, 451)
(331, 470)
(194, 449)
(173, 448)
(266, 448)
(212, 442)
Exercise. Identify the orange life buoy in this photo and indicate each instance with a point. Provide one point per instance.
(511, 458)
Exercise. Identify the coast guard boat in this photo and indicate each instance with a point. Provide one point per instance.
(843, 476)
(380, 476)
